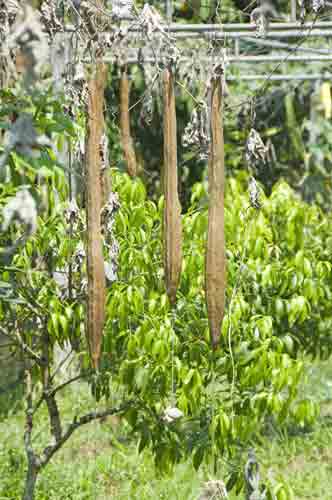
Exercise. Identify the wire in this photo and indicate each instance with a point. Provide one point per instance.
(265, 84)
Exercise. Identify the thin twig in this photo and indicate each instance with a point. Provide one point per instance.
(58, 388)
(25, 348)
(49, 451)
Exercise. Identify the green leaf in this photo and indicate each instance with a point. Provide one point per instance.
(198, 457)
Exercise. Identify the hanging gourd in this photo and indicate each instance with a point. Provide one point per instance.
(215, 260)
(105, 173)
(95, 259)
(126, 139)
(172, 232)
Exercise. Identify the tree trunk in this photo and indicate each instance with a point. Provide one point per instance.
(30, 482)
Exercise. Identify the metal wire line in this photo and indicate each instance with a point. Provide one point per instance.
(133, 58)
(237, 28)
(270, 77)
(284, 77)
(273, 44)
(289, 30)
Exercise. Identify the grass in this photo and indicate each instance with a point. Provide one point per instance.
(94, 465)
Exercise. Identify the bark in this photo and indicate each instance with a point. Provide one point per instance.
(215, 264)
(95, 260)
(30, 483)
(49, 451)
(172, 211)
(3, 73)
(49, 396)
(32, 472)
(126, 139)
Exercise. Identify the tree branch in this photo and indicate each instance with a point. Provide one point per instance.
(25, 348)
(49, 451)
(29, 420)
(58, 388)
(54, 415)
(49, 396)
(68, 382)
(60, 365)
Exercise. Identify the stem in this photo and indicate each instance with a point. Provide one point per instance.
(49, 396)
(30, 482)
(71, 230)
(58, 388)
(49, 451)
(32, 472)
(24, 347)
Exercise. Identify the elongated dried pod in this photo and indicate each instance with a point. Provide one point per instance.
(126, 139)
(105, 172)
(172, 211)
(215, 261)
(95, 259)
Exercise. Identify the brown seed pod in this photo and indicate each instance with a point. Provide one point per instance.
(105, 172)
(215, 260)
(95, 259)
(126, 139)
(172, 210)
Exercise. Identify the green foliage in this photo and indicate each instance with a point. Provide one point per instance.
(279, 293)
(102, 460)
(278, 305)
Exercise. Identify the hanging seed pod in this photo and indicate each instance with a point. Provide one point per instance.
(215, 263)
(95, 260)
(172, 211)
(127, 142)
(105, 173)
